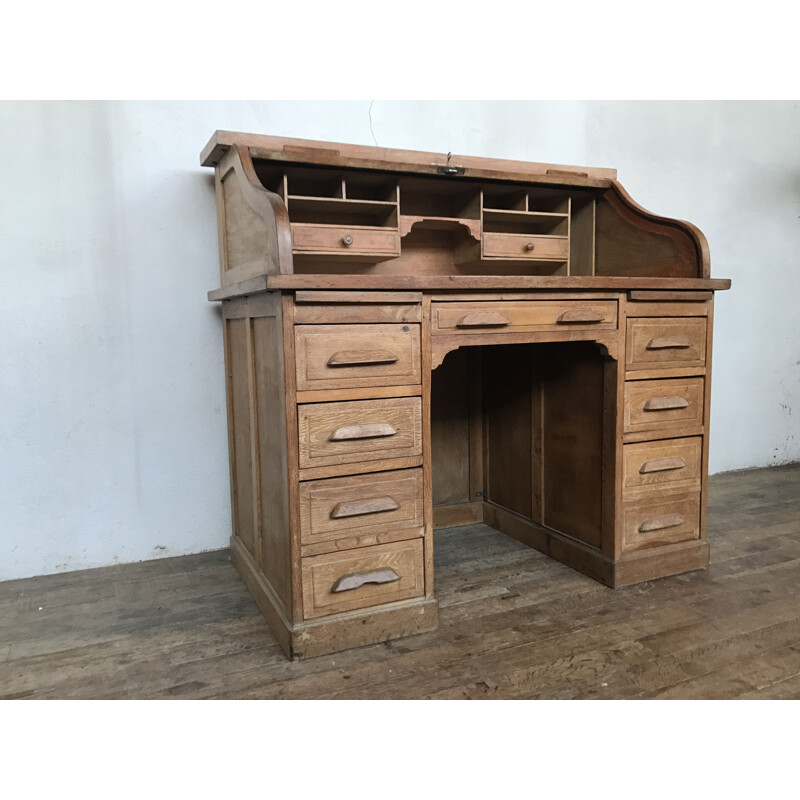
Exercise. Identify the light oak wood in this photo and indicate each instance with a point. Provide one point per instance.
(409, 344)
(359, 505)
(336, 357)
(523, 316)
(663, 406)
(660, 521)
(664, 342)
(364, 430)
(323, 577)
(650, 467)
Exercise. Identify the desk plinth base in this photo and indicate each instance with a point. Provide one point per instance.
(636, 567)
(340, 632)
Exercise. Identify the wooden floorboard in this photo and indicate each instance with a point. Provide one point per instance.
(513, 624)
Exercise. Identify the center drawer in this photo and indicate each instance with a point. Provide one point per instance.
(352, 356)
(370, 576)
(509, 316)
(358, 431)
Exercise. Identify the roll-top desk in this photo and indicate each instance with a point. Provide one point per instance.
(418, 340)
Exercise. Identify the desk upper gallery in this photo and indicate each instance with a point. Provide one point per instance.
(421, 340)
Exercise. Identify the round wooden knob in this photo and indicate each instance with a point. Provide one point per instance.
(347, 240)
(529, 246)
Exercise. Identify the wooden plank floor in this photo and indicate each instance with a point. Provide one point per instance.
(513, 624)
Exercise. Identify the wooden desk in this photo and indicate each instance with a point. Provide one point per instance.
(417, 340)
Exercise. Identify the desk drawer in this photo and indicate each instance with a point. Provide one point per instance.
(527, 248)
(362, 505)
(369, 576)
(362, 430)
(671, 464)
(341, 357)
(667, 520)
(345, 240)
(508, 316)
(664, 405)
(663, 342)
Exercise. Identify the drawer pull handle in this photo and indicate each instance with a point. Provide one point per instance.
(351, 358)
(665, 403)
(529, 247)
(660, 523)
(662, 465)
(668, 343)
(370, 430)
(347, 240)
(482, 319)
(578, 315)
(362, 507)
(355, 580)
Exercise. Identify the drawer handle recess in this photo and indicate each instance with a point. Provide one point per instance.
(665, 403)
(361, 507)
(352, 358)
(354, 580)
(369, 430)
(668, 343)
(662, 465)
(579, 315)
(660, 523)
(482, 319)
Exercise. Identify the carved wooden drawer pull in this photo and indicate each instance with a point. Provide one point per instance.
(668, 343)
(361, 507)
(369, 430)
(660, 523)
(665, 403)
(352, 358)
(482, 319)
(355, 580)
(662, 465)
(579, 315)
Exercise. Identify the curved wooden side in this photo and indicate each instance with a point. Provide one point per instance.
(632, 241)
(254, 231)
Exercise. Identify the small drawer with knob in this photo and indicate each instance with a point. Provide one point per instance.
(370, 576)
(514, 246)
(381, 243)
(673, 406)
(666, 342)
(358, 432)
(668, 519)
(345, 513)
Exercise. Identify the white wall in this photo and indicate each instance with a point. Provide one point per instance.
(112, 418)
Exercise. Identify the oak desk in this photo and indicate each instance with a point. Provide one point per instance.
(419, 340)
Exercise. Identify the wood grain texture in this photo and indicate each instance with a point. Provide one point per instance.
(513, 624)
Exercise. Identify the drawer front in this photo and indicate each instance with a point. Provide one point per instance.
(516, 246)
(333, 239)
(363, 430)
(363, 504)
(661, 342)
(369, 576)
(341, 357)
(649, 467)
(524, 316)
(664, 521)
(663, 405)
